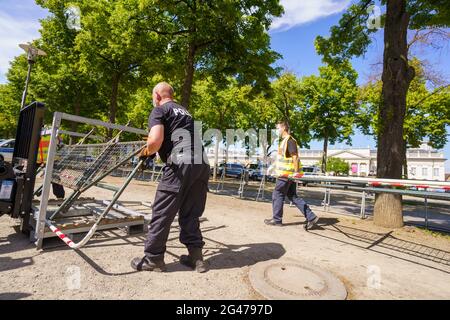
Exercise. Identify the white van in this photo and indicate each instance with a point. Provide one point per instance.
(311, 171)
(6, 150)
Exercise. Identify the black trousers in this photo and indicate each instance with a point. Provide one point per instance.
(288, 188)
(58, 190)
(183, 190)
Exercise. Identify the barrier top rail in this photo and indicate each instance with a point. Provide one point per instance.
(94, 122)
(380, 182)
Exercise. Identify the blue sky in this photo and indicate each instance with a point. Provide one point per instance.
(292, 35)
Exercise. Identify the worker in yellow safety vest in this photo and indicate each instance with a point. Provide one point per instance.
(287, 167)
(43, 149)
(58, 189)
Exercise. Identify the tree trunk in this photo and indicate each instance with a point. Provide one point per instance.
(396, 78)
(113, 100)
(189, 77)
(324, 155)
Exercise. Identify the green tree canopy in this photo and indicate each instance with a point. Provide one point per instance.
(427, 110)
(331, 102)
(216, 39)
(336, 165)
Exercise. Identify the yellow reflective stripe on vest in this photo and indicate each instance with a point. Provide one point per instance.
(284, 166)
(43, 149)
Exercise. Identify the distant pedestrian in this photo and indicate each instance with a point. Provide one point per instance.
(286, 166)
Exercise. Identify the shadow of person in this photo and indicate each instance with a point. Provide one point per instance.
(13, 295)
(7, 263)
(236, 256)
(324, 222)
(15, 242)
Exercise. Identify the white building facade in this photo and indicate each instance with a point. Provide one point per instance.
(424, 163)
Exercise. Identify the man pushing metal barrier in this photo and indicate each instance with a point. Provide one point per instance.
(183, 187)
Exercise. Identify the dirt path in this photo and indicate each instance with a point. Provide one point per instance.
(409, 263)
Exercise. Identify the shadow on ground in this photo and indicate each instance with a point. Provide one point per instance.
(235, 256)
(388, 244)
(7, 263)
(13, 295)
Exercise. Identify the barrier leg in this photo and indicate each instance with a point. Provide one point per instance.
(42, 213)
(363, 206)
(221, 182)
(261, 189)
(91, 232)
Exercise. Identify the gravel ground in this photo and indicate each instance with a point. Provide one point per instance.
(411, 263)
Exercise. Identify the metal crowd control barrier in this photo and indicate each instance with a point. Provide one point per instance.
(369, 186)
(80, 167)
(261, 189)
(375, 185)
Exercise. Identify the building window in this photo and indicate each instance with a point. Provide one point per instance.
(424, 172)
(413, 171)
(436, 172)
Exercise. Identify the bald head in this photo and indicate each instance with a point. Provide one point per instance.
(162, 93)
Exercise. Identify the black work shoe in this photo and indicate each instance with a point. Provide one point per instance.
(272, 222)
(147, 264)
(311, 223)
(194, 260)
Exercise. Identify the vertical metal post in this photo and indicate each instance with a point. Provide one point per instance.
(241, 186)
(25, 91)
(426, 212)
(363, 205)
(42, 213)
(261, 189)
(329, 200)
(220, 185)
(326, 200)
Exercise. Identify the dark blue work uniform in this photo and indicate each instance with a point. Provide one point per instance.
(184, 184)
(288, 188)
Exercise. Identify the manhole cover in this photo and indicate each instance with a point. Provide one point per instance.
(291, 279)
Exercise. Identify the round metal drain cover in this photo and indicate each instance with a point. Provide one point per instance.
(291, 279)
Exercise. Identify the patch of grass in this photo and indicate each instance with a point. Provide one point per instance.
(436, 234)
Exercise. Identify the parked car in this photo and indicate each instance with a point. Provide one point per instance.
(252, 169)
(89, 159)
(6, 150)
(232, 170)
(311, 171)
(257, 174)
